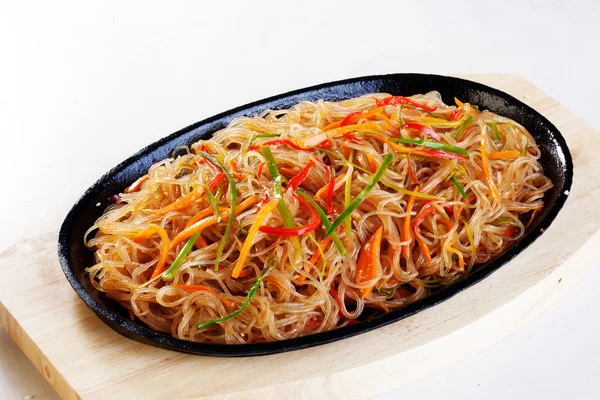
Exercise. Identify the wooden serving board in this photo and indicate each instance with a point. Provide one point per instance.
(83, 358)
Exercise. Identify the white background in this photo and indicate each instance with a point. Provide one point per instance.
(83, 85)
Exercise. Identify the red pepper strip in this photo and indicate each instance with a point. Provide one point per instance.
(441, 154)
(353, 138)
(298, 179)
(413, 177)
(278, 142)
(425, 129)
(455, 114)
(394, 100)
(324, 144)
(330, 189)
(349, 119)
(260, 168)
(313, 223)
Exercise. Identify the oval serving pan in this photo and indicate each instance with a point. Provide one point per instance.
(75, 257)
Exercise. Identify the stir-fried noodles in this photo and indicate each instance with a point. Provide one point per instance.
(305, 220)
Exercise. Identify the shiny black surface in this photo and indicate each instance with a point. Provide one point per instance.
(74, 257)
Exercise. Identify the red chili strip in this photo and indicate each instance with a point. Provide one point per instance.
(425, 129)
(280, 142)
(313, 223)
(394, 100)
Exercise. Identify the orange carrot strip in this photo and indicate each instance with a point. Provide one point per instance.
(366, 268)
(164, 247)
(485, 166)
(497, 155)
(205, 223)
(258, 222)
(190, 198)
(203, 214)
(135, 186)
(372, 163)
(331, 126)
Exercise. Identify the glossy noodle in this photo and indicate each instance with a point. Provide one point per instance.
(305, 220)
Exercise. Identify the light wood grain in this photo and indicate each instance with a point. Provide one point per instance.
(83, 358)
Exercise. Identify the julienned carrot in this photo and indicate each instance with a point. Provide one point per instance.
(164, 247)
(258, 221)
(367, 127)
(190, 198)
(498, 155)
(485, 166)
(405, 232)
(461, 260)
(368, 260)
(206, 222)
(372, 163)
(203, 214)
(135, 186)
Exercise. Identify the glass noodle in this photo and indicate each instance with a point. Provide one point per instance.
(226, 242)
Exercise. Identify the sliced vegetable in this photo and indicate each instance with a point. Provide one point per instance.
(190, 198)
(503, 221)
(136, 186)
(472, 243)
(372, 162)
(278, 142)
(185, 250)
(460, 130)
(405, 232)
(368, 262)
(422, 128)
(260, 219)
(495, 130)
(362, 195)
(263, 136)
(498, 155)
(353, 138)
(206, 222)
(270, 264)
(325, 220)
(413, 177)
(233, 192)
(394, 100)
(213, 200)
(164, 247)
(313, 223)
(433, 145)
(349, 119)
(297, 180)
(485, 166)
(461, 190)
(441, 154)
(455, 115)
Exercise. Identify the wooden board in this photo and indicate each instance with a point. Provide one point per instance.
(83, 358)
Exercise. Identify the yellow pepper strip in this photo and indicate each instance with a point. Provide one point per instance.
(461, 260)
(164, 247)
(498, 155)
(258, 222)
